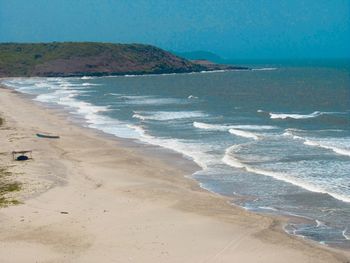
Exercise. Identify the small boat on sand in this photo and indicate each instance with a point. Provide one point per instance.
(47, 136)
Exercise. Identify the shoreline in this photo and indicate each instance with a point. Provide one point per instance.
(180, 159)
(217, 230)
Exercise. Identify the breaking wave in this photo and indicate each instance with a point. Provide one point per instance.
(294, 116)
(197, 152)
(244, 134)
(329, 147)
(90, 84)
(328, 143)
(345, 234)
(168, 115)
(151, 100)
(231, 160)
(264, 69)
(87, 77)
(224, 127)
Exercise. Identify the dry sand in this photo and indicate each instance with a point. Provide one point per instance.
(121, 205)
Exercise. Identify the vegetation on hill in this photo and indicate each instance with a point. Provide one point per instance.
(200, 55)
(88, 58)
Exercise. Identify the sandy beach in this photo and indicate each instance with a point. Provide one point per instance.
(90, 198)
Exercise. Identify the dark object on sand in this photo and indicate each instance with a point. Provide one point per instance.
(47, 136)
(22, 158)
(21, 155)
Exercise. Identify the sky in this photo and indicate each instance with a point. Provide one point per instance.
(244, 29)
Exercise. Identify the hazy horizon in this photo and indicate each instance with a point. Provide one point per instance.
(231, 29)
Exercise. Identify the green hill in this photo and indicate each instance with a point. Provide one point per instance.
(88, 59)
(200, 55)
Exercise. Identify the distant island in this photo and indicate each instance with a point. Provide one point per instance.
(68, 59)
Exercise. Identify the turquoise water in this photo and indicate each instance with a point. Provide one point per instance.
(276, 139)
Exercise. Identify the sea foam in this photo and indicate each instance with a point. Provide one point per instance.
(332, 144)
(294, 116)
(233, 161)
(90, 84)
(168, 115)
(198, 152)
(151, 100)
(244, 134)
(324, 145)
(226, 127)
(264, 69)
(213, 127)
(345, 234)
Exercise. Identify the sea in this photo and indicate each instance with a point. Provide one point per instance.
(275, 139)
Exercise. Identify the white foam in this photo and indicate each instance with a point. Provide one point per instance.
(231, 160)
(67, 85)
(289, 133)
(90, 112)
(294, 116)
(168, 115)
(192, 97)
(200, 153)
(319, 223)
(226, 127)
(89, 84)
(268, 208)
(195, 151)
(213, 71)
(214, 127)
(151, 100)
(38, 86)
(49, 97)
(244, 134)
(87, 77)
(264, 69)
(335, 149)
(252, 127)
(345, 235)
(114, 127)
(138, 116)
(42, 84)
(328, 143)
(59, 91)
(60, 94)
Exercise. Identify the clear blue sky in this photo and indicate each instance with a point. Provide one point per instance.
(232, 28)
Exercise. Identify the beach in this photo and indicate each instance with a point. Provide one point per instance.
(87, 197)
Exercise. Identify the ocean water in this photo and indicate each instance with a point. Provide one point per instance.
(276, 139)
